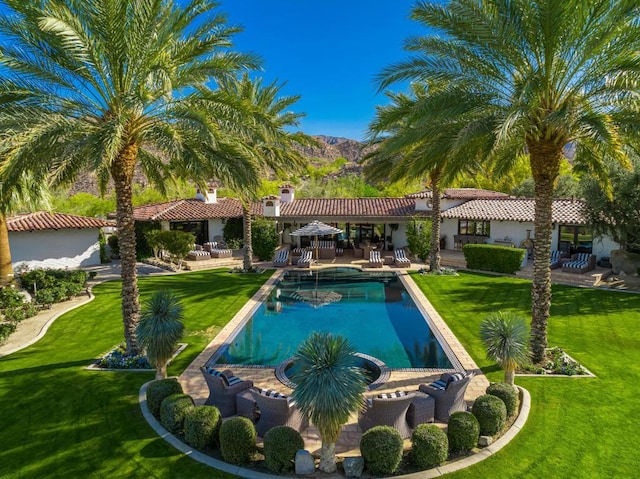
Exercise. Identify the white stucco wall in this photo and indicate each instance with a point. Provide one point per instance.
(61, 249)
(603, 246)
(216, 228)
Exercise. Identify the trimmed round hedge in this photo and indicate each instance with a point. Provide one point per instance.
(463, 431)
(281, 444)
(429, 446)
(173, 409)
(202, 426)
(238, 440)
(508, 394)
(491, 414)
(158, 390)
(381, 449)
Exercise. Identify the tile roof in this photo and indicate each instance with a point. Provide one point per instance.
(192, 209)
(350, 207)
(516, 209)
(43, 220)
(460, 194)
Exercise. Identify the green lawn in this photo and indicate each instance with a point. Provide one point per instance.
(58, 420)
(577, 427)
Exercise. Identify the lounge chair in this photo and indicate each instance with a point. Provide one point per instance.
(387, 410)
(282, 258)
(198, 255)
(374, 259)
(401, 258)
(306, 259)
(580, 263)
(448, 391)
(277, 410)
(223, 388)
(554, 261)
(357, 252)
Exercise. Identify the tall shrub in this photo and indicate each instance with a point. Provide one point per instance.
(264, 238)
(419, 238)
(160, 328)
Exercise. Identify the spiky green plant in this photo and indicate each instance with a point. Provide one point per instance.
(505, 336)
(160, 328)
(329, 388)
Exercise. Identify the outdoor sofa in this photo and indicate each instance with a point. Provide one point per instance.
(580, 263)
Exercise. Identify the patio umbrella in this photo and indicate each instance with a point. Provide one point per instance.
(316, 228)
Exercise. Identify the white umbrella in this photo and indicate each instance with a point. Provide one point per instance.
(316, 228)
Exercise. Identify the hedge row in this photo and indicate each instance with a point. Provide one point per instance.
(486, 257)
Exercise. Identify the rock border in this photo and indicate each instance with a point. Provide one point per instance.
(516, 427)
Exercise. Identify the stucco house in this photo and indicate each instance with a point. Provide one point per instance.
(54, 240)
(467, 215)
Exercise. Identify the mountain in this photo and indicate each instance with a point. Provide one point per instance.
(328, 150)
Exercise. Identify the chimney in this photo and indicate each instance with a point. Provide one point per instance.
(212, 192)
(271, 206)
(287, 193)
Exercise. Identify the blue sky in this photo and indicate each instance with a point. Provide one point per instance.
(328, 52)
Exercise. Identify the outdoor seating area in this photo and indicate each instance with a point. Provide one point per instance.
(387, 410)
(223, 389)
(276, 409)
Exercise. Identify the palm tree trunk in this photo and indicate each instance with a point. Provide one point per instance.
(545, 166)
(434, 253)
(122, 171)
(247, 263)
(509, 377)
(6, 268)
(328, 457)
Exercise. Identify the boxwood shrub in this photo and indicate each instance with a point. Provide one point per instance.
(202, 426)
(486, 257)
(507, 393)
(429, 446)
(158, 390)
(463, 431)
(280, 446)
(238, 440)
(491, 414)
(381, 449)
(173, 410)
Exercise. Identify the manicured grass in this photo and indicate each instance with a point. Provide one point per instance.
(577, 427)
(59, 420)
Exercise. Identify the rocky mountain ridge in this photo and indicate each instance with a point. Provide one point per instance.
(329, 149)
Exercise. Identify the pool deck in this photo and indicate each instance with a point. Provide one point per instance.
(404, 380)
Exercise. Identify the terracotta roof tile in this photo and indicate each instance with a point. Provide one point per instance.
(192, 209)
(516, 209)
(43, 220)
(348, 207)
(461, 194)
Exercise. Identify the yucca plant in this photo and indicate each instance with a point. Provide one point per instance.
(160, 328)
(329, 388)
(506, 336)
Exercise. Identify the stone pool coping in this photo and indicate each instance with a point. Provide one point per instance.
(506, 438)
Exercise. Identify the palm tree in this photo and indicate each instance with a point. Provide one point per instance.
(107, 85)
(160, 328)
(329, 388)
(25, 192)
(258, 126)
(407, 151)
(530, 77)
(505, 335)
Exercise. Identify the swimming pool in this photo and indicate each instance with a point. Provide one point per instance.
(373, 310)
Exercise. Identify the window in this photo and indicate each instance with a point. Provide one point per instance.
(199, 229)
(477, 228)
(575, 239)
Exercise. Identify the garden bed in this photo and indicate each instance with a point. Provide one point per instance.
(557, 363)
(116, 360)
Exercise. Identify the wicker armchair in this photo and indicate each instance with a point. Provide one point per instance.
(390, 411)
(450, 399)
(277, 411)
(221, 394)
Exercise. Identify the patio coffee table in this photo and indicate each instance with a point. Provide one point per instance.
(421, 410)
(246, 405)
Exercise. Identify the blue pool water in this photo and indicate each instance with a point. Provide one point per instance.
(373, 310)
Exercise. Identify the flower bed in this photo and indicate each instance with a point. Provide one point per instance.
(556, 362)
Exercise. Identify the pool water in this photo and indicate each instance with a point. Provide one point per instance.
(373, 310)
